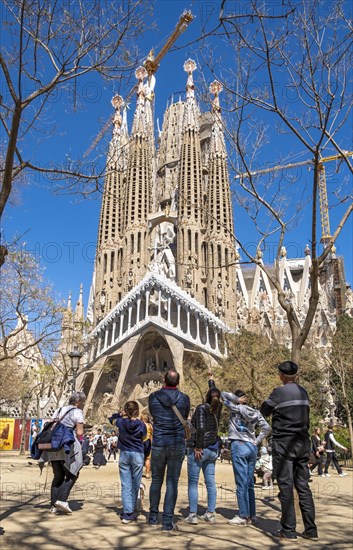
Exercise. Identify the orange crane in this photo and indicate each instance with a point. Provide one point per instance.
(151, 65)
(324, 209)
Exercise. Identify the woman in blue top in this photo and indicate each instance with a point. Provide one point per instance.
(130, 444)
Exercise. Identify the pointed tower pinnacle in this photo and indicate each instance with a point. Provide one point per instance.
(217, 146)
(79, 313)
(69, 305)
(139, 126)
(191, 113)
(117, 102)
(117, 155)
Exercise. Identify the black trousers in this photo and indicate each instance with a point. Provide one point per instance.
(290, 464)
(319, 461)
(331, 456)
(62, 483)
(112, 452)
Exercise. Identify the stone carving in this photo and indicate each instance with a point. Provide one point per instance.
(163, 260)
(149, 387)
(150, 365)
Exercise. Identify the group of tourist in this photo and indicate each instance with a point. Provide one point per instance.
(163, 450)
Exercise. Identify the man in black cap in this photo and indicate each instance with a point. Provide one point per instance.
(289, 406)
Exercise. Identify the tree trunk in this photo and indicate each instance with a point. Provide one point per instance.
(296, 344)
(23, 436)
(350, 426)
(296, 354)
(6, 187)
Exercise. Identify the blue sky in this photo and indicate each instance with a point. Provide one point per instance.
(62, 229)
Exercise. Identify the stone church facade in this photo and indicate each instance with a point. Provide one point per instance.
(168, 282)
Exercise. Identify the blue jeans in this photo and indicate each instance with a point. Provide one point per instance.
(130, 469)
(162, 458)
(207, 464)
(244, 459)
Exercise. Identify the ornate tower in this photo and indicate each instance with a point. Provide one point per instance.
(107, 279)
(138, 189)
(191, 217)
(220, 242)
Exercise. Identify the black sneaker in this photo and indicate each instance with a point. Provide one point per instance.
(310, 537)
(283, 536)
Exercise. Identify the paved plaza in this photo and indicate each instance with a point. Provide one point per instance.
(94, 525)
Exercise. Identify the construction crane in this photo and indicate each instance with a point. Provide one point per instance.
(151, 65)
(324, 208)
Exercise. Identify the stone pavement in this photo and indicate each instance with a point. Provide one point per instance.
(94, 525)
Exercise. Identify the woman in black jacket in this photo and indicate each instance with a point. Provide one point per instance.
(318, 449)
(202, 452)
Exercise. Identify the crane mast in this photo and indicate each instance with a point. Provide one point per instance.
(323, 200)
(151, 65)
(152, 62)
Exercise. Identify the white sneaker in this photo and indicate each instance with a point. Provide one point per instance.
(322, 475)
(64, 506)
(53, 510)
(343, 474)
(264, 487)
(237, 521)
(192, 518)
(208, 516)
(327, 475)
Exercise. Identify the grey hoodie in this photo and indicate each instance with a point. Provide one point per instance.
(243, 420)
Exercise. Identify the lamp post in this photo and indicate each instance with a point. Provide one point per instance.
(75, 356)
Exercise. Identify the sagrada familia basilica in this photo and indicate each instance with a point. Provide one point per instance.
(168, 282)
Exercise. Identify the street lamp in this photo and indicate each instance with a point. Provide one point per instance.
(75, 356)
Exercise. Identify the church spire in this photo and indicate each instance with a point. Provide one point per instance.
(139, 126)
(191, 112)
(190, 194)
(138, 199)
(79, 312)
(118, 145)
(221, 279)
(217, 145)
(69, 305)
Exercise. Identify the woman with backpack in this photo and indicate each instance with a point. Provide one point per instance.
(66, 466)
(132, 432)
(202, 453)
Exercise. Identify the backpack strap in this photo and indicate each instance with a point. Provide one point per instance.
(60, 418)
(175, 409)
(179, 415)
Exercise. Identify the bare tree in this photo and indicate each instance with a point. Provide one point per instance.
(289, 101)
(46, 49)
(32, 368)
(30, 318)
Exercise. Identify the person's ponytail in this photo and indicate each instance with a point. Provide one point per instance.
(215, 403)
(213, 399)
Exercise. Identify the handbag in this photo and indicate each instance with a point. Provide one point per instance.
(188, 427)
(45, 437)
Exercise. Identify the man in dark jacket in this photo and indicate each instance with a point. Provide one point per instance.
(168, 446)
(289, 406)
